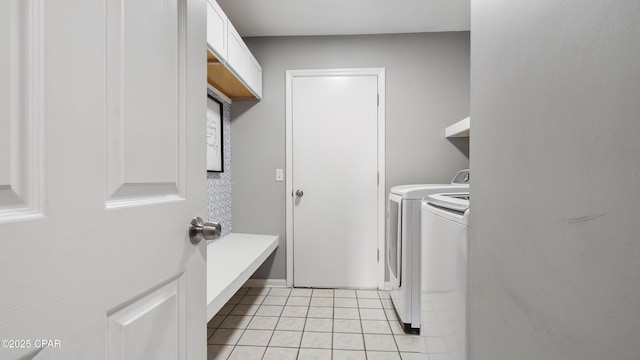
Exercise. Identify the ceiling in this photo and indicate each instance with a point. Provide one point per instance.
(345, 17)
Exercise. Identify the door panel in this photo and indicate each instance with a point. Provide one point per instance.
(92, 268)
(153, 319)
(335, 165)
(20, 110)
(144, 164)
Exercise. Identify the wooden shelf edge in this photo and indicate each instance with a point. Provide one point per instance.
(225, 81)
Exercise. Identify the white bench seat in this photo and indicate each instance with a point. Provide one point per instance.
(231, 260)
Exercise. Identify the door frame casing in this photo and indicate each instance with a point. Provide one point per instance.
(290, 75)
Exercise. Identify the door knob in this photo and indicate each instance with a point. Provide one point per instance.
(199, 229)
(299, 193)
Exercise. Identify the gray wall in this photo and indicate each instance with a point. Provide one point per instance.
(427, 87)
(555, 222)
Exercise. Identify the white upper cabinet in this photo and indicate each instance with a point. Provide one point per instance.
(242, 61)
(231, 68)
(217, 30)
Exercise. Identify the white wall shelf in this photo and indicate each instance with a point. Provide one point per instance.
(460, 129)
(231, 260)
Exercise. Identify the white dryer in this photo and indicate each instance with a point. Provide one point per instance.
(444, 267)
(403, 244)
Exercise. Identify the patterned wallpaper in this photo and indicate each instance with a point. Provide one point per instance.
(219, 184)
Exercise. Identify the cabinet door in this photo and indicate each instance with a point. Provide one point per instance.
(255, 75)
(217, 30)
(242, 62)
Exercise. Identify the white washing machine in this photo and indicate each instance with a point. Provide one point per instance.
(444, 266)
(403, 244)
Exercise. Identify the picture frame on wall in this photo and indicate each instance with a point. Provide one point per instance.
(215, 161)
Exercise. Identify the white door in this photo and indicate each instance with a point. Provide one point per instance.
(334, 179)
(102, 143)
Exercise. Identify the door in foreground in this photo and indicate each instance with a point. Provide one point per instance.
(102, 167)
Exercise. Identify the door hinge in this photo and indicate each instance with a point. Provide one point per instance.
(378, 99)
(378, 255)
(378, 179)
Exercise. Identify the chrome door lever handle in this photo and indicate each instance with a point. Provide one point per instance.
(199, 229)
(299, 193)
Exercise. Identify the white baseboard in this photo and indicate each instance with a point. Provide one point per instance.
(266, 283)
(282, 283)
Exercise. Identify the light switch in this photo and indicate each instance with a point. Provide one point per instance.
(279, 174)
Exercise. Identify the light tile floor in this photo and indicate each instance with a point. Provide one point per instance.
(308, 324)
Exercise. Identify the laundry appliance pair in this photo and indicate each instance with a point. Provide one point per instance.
(403, 244)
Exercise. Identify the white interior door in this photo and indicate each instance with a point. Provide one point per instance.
(102, 145)
(335, 180)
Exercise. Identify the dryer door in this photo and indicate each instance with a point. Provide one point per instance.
(394, 240)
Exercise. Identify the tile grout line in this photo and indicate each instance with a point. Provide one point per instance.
(243, 330)
(364, 344)
(274, 329)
